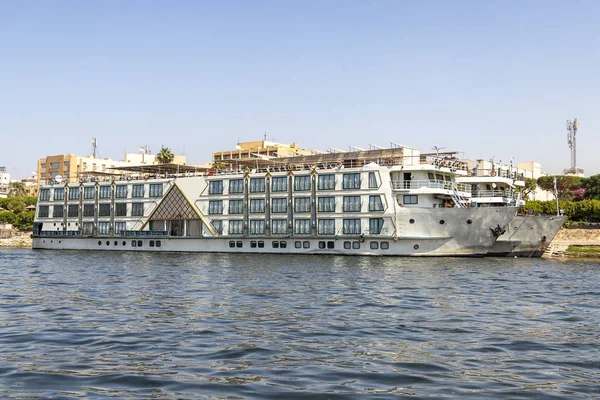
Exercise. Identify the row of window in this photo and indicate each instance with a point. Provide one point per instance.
(104, 192)
(282, 244)
(134, 243)
(325, 226)
(301, 204)
(301, 183)
(104, 210)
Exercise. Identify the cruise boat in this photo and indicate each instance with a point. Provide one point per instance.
(526, 235)
(370, 202)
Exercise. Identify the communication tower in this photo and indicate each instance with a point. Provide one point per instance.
(571, 136)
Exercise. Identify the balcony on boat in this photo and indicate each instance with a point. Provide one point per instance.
(496, 197)
(431, 187)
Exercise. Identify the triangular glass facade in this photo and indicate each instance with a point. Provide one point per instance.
(174, 207)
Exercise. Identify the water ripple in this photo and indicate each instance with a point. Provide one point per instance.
(165, 326)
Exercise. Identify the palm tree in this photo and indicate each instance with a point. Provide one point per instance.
(165, 155)
(17, 189)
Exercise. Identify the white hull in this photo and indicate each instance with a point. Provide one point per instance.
(527, 236)
(463, 232)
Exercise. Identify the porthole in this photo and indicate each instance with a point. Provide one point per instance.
(133, 243)
(347, 245)
(261, 244)
(469, 222)
(124, 243)
(374, 245)
(330, 245)
(275, 244)
(442, 222)
(253, 244)
(356, 245)
(416, 247)
(231, 243)
(298, 244)
(412, 221)
(322, 244)
(116, 243)
(306, 244)
(158, 244)
(283, 244)
(99, 243)
(385, 245)
(108, 243)
(239, 243)
(139, 243)
(151, 243)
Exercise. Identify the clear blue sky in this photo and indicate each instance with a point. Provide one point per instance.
(489, 78)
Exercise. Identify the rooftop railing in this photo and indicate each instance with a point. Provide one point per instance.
(507, 194)
(425, 184)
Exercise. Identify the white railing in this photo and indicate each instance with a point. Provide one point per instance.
(423, 184)
(508, 194)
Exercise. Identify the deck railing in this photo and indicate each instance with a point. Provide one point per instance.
(425, 184)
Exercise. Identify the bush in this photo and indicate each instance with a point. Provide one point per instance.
(583, 210)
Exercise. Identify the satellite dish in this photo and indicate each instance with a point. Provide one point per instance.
(494, 185)
(58, 179)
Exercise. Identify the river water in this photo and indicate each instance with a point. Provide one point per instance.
(135, 325)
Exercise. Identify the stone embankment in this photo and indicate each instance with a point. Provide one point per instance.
(586, 240)
(17, 239)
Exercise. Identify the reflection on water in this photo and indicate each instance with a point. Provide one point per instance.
(140, 325)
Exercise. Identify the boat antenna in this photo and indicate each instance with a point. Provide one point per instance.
(437, 150)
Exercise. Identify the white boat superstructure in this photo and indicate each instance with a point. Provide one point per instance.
(387, 202)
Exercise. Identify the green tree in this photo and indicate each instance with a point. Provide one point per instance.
(564, 184)
(16, 189)
(165, 155)
(530, 187)
(591, 186)
(24, 220)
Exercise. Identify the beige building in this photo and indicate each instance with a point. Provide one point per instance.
(261, 149)
(71, 167)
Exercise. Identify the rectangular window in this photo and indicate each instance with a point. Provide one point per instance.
(351, 204)
(375, 203)
(372, 181)
(351, 226)
(103, 228)
(120, 209)
(44, 194)
(59, 194)
(215, 207)
(104, 210)
(351, 181)
(279, 227)
(74, 193)
(326, 182)
(326, 204)
(236, 227)
(410, 199)
(236, 206)
(236, 186)
(431, 177)
(58, 211)
(302, 183)
(279, 205)
(375, 226)
(120, 228)
(43, 211)
(257, 226)
(88, 210)
(279, 184)
(302, 226)
(54, 165)
(326, 226)
(218, 225)
(137, 190)
(137, 209)
(88, 228)
(156, 190)
(73, 211)
(105, 192)
(215, 187)
(302, 204)
(257, 206)
(257, 185)
(121, 191)
(89, 192)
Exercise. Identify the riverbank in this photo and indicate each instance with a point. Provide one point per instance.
(20, 239)
(577, 242)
